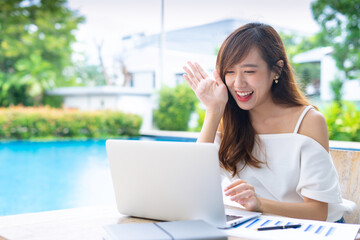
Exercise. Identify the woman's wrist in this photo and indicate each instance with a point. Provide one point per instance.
(260, 207)
(213, 117)
(215, 112)
(210, 126)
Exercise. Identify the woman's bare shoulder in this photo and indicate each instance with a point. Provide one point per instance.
(314, 126)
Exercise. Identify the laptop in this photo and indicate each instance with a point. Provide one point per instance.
(170, 181)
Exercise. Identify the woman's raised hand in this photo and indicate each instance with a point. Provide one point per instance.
(211, 92)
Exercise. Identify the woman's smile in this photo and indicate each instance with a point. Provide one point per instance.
(244, 96)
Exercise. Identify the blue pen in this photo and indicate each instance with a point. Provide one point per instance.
(279, 227)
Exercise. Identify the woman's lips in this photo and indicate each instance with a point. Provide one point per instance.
(244, 95)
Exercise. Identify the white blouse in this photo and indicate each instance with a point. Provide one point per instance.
(296, 166)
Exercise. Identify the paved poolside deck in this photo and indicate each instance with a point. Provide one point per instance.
(70, 224)
(181, 134)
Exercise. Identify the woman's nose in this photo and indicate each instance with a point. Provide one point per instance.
(239, 81)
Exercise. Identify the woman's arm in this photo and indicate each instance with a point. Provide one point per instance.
(209, 128)
(309, 209)
(212, 93)
(244, 194)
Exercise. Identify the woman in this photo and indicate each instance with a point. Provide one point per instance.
(273, 144)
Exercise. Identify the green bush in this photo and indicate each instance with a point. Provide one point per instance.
(200, 120)
(53, 101)
(175, 108)
(336, 88)
(343, 121)
(46, 122)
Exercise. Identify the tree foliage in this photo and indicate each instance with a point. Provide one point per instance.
(175, 108)
(89, 75)
(343, 121)
(340, 24)
(36, 39)
(295, 44)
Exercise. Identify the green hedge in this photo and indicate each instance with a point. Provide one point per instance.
(46, 122)
(343, 121)
(175, 108)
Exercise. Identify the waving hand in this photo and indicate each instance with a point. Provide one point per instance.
(212, 92)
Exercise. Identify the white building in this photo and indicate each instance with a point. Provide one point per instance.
(328, 73)
(198, 43)
(130, 100)
(142, 62)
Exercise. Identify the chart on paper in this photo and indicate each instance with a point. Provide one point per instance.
(309, 229)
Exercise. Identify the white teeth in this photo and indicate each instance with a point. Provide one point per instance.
(243, 94)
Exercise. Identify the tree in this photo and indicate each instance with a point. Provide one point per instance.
(175, 108)
(340, 25)
(88, 74)
(35, 48)
(295, 44)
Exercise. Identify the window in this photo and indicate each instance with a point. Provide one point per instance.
(179, 78)
(143, 80)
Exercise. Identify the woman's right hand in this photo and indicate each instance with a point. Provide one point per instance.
(211, 92)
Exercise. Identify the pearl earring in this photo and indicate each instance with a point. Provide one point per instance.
(276, 79)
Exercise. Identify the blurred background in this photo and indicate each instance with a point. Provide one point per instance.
(74, 73)
(128, 55)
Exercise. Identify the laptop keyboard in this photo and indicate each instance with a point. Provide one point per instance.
(232, 217)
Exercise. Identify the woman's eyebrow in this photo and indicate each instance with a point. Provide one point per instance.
(249, 65)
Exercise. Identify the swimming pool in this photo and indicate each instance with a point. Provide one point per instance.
(43, 176)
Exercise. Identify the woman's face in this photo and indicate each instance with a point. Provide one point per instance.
(249, 81)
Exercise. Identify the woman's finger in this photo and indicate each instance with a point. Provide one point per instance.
(189, 73)
(217, 78)
(201, 70)
(190, 82)
(234, 183)
(235, 190)
(242, 195)
(190, 76)
(196, 73)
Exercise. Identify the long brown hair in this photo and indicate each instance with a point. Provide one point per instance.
(238, 133)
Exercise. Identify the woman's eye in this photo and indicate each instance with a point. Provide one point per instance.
(249, 71)
(229, 72)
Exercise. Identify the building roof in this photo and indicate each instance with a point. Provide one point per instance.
(203, 39)
(98, 91)
(313, 55)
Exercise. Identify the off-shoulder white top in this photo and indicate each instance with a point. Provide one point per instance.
(297, 166)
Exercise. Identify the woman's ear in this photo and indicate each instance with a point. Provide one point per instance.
(280, 65)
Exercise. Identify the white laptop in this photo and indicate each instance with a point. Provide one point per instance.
(170, 181)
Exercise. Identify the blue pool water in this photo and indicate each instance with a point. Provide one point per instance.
(43, 176)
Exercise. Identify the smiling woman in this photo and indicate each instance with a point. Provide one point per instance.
(274, 146)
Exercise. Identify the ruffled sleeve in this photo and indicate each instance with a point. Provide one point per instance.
(318, 176)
